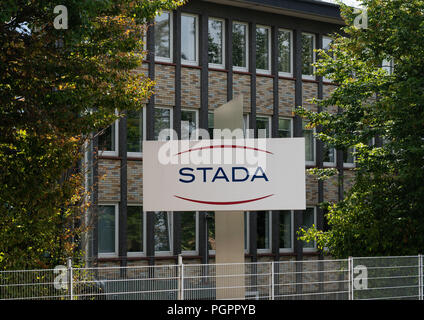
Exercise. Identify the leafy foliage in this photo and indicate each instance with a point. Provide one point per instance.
(383, 212)
(57, 86)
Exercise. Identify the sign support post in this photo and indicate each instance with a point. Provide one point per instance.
(229, 225)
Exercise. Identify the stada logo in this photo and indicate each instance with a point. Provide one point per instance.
(235, 174)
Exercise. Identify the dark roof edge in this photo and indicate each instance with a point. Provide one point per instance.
(305, 7)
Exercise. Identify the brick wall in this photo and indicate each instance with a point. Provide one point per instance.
(310, 91)
(109, 180)
(326, 93)
(264, 95)
(190, 88)
(135, 181)
(349, 177)
(311, 190)
(241, 85)
(165, 83)
(286, 96)
(217, 93)
(331, 189)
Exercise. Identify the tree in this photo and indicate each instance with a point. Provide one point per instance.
(382, 117)
(57, 86)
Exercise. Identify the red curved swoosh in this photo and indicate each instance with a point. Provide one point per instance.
(224, 203)
(223, 146)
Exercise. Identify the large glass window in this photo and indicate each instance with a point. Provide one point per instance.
(107, 229)
(285, 52)
(348, 157)
(308, 55)
(264, 230)
(308, 134)
(263, 49)
(163, 39)
(285, 229)
(188, 231)
(135, 229)
(134, 131)
(216, 42)
(326, 44)
(308, 222)
(240, 48)
(108, 140)
(188, 123)
(263, 124)
(284, 128)
(189, 39)
(329, 154)
(388, 66)
(163, 229)
(163, 120)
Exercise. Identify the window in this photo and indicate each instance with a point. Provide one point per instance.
(308, 134)
(329, 155)
(309, 219)
(108, 140)
(216, 42)
(263, 124)
(210, 124)
(135, 218)
(326, 44)
(286, 227)
(240, 46)
(264, 231)
(189, 32)
(163, 37)
(163, 120)
(189, 232)
(285, 58)
(188, 123)
(135, 133)
(107, 230)
(348, 157)
(308, 55)
(163, 232)
(284, 128)
(388, 66)
(263, 49)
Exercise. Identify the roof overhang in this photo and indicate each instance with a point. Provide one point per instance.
(307, 9)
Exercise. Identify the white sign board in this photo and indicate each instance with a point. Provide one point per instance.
(224, 175)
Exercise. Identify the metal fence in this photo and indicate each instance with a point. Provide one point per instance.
(345, 279)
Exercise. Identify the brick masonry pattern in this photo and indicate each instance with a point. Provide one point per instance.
(264, 95)
(109, 180)
(190, 88)
(217, 93)
(241, 85)
(286, 96)
(165, 82)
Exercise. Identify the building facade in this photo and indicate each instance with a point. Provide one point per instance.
(201, 56)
